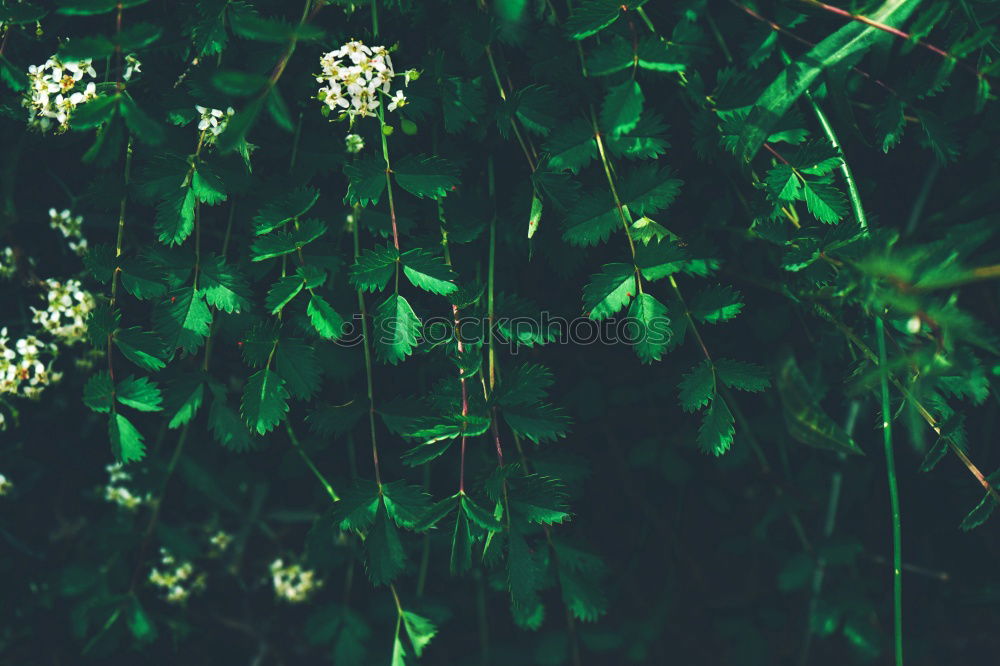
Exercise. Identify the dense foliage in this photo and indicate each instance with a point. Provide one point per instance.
(498, 331)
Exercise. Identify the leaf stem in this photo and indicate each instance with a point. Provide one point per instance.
(897, 561)
(309, 463)
(845, 169)
(368, 354)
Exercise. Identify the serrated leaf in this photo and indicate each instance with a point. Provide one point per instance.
(541, 422)
(621, 108)
(717, 429)
(571, 146)
(282, 292)
(825, 202)
(650, 330)
(144, 348)
(658, 259)
(290, 206)
(183, 399)
(366, 181)
(537, 108)
(697, 387)
(407, 504)
(980, 513)
(396, 328)
(207, 186)
(139, 393)
(222, 286)
(419, 629)
(592, 220)
(295, 362)
(741, 375)
(175, 216)
(141, 279)
(385, 557)
(227, 427)
(373, 269)
(591, 16)
(325, 320)
(139, 123)
(265, 401)
(183, 320)
(478, 515)
(716, 304)
(126, 442)
(98, 392)
(609, 291)
(428, 271)
(426, 176)
(524, 384)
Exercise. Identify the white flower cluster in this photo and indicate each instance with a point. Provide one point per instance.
(116, 493)
(5, 485)
(70, 227)
(177, 579)
(351, 87)
(293, 583)
(220, 541)
(65, 315)
(55, 90)
(213, 121)
(8, 263)
(23, 370)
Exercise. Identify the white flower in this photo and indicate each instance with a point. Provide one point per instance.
(213, 121)
(132, 66)
(396, 101)
(8, 263)
(25, 369)
(177, 582)
(352, 77)
(293, 583)
(221, 540)
(68, 307)
(354, 143)
(55, 89)
(5, 485)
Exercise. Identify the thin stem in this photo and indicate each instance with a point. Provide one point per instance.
(897, 560)
(845, 169)
(309, 463)
(368, 355)
(119, 241)
(388, 184)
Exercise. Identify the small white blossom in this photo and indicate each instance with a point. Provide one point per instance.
(132, 67)
(117, 493)
(55, 89)
(213, 121)
(221, 540)
(5, 485)
(397, 100)
(352, 79)
(25, 369)
(176, 579)
(8, 263)
(65, 315)
(292, 583)
(70, 227)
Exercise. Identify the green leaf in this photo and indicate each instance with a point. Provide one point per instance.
(609, 291)
(222, 286)
(742, 376)
(428, 271)
(141, 279)
(365, 181)
(537, 108)
(716, 304)
(227, 428)
(540, 422)
(98, 392)
(280, 243)
(524, 384)
(288, 207)
(697, 387)
(94, 7)
(805, 419)
(355, 510)
(783, 183)
(592, 220)
(659, 259)
(478, 515)
(139, 123)
(265, 401)
(140, 393)
(524, 575)
(979, 514)
(621, 108)
(295, 362)
(183, 399)
(646, 140)
(776, 100)
(396, 329)
(825, 202)
(282, 292)
(649, 189)
(539, 499)
(235, 134)
(651, 331)
(207, 186)
(126, 441)
(426, 176)
(144, 348)
(183, 320)
(95, 112)
(419, 629)
(175, 216)
(571, 146)
(591, 16)
(717, 429)
(406, 504)
(374, 268)
(327, 322)
(461, 546)
(385, 555)
(139, 623)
